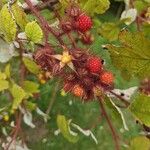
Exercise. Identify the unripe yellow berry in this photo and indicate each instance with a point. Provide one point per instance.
(6, 117)
(42, 81)
(63, 93)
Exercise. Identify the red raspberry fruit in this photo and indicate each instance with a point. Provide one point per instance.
(78, 91)
(84, 23)
(107, 78)
(94, 64)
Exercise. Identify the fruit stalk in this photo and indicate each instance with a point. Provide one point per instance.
(113, 132)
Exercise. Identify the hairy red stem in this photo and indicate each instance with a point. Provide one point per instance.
(137, 18)
(17, 129)
(43, 5)
(68, 34)
(44, 24)
(114, 134)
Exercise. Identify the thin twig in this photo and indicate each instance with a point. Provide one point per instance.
(18, 114)
(17, 129)
(53, 98)
(43, 5)
(68, 34)
(137, 18)
(131, 3)
(72, 40)
(119, 10)
(40, 18)
(138, 23)
(43, 23)
(114, 134)
(22, 66)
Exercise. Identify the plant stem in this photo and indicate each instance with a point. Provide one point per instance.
(138, 23)
(53, 98)
(119, 10)
(114, 134)
(70, 37)
(44, 24)
(22, 66)
(131, 3)
(17, 129)
(72, 40)
(43, 5)
(137, 18)
(18, 114)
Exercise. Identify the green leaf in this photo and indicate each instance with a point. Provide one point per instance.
(34, 32)
(96, 6)
(110, 31)
(31, 65)
(146, 30)
(30, 106)
(30, 87)
(64, 3)
(2, 109)
(7, 71)
(139, 143)
(116, 113)
(2, 76)
(63, 125)
(7, 24)
(4, 85)
(18, 94)
(119, 0)
(132, 58)
(140, 5)
(1, 3)
(89, 6)
(141, 108)
(147, 1)
(20, 16)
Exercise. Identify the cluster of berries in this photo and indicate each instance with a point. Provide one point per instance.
(88, 77)
(90, 80)
(80, 22)
(94, 64)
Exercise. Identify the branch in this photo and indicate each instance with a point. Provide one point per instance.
(114, 134)
(22, 66)
(137, 18)
(53, 98)
(72, 40)
(131, 3)
(68, 34)
(43, 5)
(43, 23)
(17, 129)
(18, 114)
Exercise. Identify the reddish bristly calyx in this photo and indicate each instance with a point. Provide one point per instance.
(86, 38)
